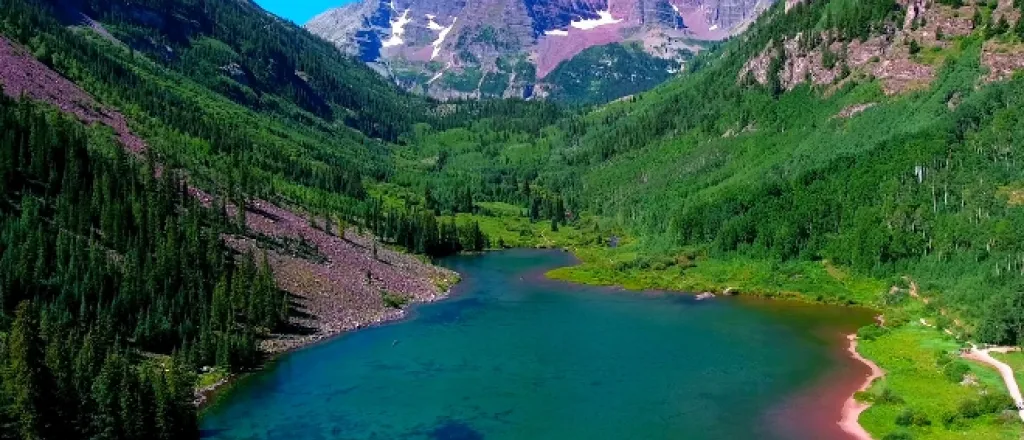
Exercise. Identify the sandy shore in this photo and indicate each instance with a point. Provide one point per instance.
(851, 408)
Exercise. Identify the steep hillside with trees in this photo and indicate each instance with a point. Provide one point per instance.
(127, 266)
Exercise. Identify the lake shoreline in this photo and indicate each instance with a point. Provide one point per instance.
(852, 409)
(839, 413)
(209, 395)
(206, 396)
(827, 408)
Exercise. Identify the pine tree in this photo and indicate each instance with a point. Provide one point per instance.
(223, 316)
(106, 419)
(28, 382)
(266, 291)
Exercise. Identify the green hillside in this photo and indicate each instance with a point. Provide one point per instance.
(844, 191)
(601, 74)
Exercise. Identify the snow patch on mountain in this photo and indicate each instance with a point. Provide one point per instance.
(605, 18)
(431, 24)
(557, 33)
(397, 29)
(440, 38)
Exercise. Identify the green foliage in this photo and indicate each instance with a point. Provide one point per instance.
(705, 162)
(465, 81)
(525, 71)
(898, 435)
(955, 371)
(494, 84)
(604, 73)
(871, 332)
(710, 183)
(487, 36)
(944, 358)
(100, 261)
(986, 404)
(914, 48)
(394, 300)
(907, 355)
(888, 397)
(909, 417)
(859, 19)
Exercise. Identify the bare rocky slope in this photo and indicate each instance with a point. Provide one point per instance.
(507, 48)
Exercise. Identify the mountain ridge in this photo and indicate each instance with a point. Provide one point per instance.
(449, 49)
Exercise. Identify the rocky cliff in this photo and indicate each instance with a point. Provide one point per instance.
(507, 48)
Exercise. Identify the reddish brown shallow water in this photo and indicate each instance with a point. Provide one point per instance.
(814, 413)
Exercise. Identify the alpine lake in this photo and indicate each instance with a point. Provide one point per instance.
(512, 355)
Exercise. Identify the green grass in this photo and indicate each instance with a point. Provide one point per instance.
(908, 356)
(211, 377)
(633, 269)
(505, 225)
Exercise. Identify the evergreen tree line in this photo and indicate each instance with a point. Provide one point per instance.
(100, 262)
(420, 231)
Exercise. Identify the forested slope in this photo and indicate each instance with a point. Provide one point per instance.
(127, 266)
(921, 182)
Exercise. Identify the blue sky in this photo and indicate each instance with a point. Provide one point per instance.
(299, 11)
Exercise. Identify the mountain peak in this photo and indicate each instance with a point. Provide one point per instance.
(506, 48)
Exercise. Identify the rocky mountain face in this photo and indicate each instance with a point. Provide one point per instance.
(507, 48)
(903, 50)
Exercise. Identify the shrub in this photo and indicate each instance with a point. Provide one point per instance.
(394, 300)
(910, 417)
(898, 435)
(895, 299)
(955, 371)
(943, 358)
(888, 396)
(871, 332)
(969, 409)
(949, 418)
(864, 396)
(992, 403)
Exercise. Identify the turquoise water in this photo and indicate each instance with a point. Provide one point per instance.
(514, 356)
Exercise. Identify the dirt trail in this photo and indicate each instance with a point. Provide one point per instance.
(852, 408)
(1005, 371)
